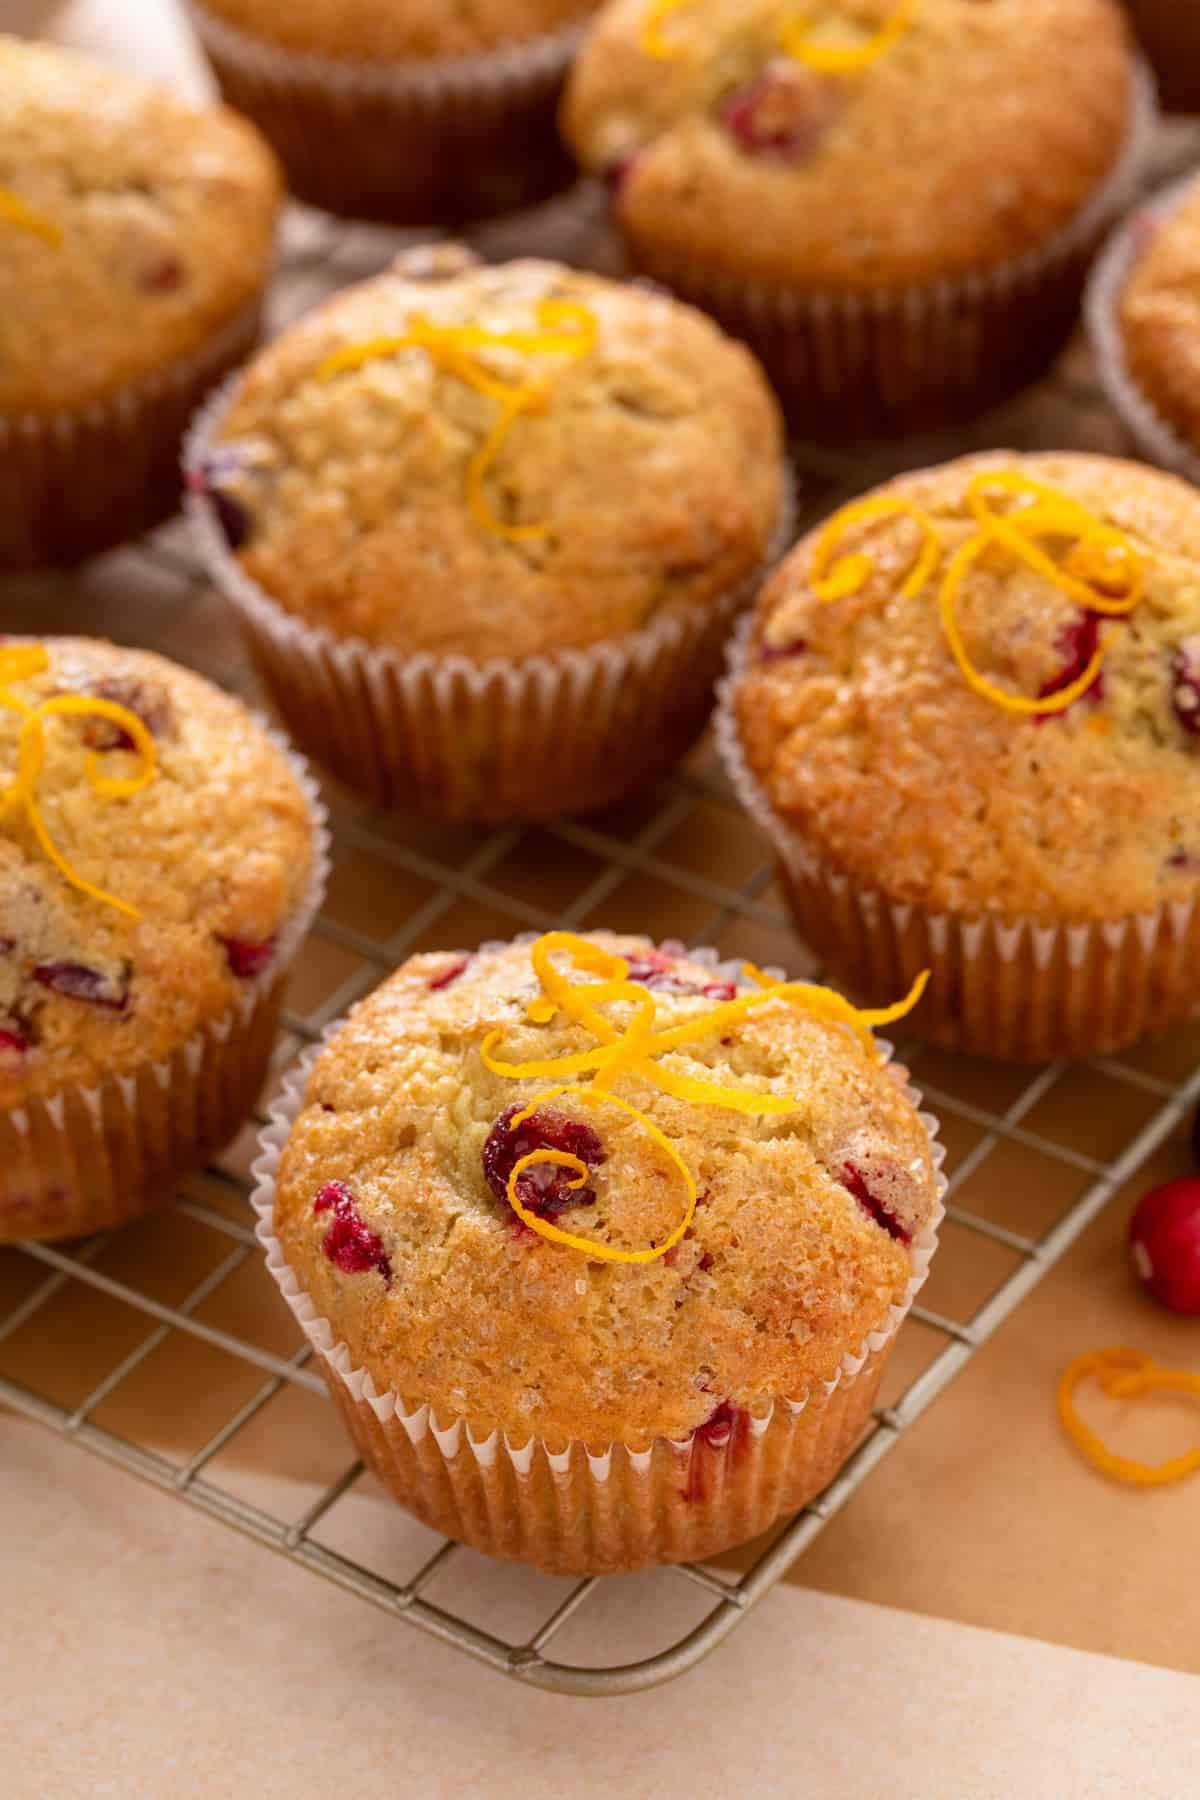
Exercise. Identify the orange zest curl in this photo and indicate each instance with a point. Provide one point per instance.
(850, 572)
(21, 662)
(14, 211)
(565, 328)
(636, 1050)
(1101, 570)
(655, 17)
(1125, 1374)
(850, 58)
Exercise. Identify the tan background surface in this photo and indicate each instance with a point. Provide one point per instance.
(134, 1632)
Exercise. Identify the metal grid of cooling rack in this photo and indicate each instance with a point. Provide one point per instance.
(320, 255)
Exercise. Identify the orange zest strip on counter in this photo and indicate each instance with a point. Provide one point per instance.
(636, 1050)
(22, 662)
(565, 328)
(1101, 570)
(828, 58)
(14, 211)
(1125, 1374)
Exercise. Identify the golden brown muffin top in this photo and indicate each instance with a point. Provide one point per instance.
(135, 227)
(1159, 314)
(215, 854)
(391, 1204)
(974, 136)
(646, 478)
(868, 739)
(398, 30)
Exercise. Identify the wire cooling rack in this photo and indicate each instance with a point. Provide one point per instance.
(165, 1349)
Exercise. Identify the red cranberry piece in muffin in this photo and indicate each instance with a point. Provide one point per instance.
(544, 1188)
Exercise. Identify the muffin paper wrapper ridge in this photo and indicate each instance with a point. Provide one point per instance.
(1156, 438)
(76, 482)
(578, 1508)
(920, 357)
(499, 740)
(86, 1158)
(1012, 987)
(421, 142)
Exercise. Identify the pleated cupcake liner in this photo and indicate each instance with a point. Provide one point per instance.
(1012, 986)
(1156, 438)
(567, 1506)
(73, 483)
(887, 362)
(438, 142)
(88, 1157)
(526, 739)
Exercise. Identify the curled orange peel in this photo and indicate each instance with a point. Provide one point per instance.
(850, 58)
(565, 328)
(1125, 1374)
(21, 662)
(636, 1050)
(14, 211)
(1101, 570)
(653, 19)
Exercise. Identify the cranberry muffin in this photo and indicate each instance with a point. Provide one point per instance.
(967, 715)
(480, 526)
(1144, 327)
(893, 203)
(643, 1225)
(415, 114)
(160, 858)
(136, 238)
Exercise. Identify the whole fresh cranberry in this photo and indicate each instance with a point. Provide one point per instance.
(544, 1188)
(1164, 1244)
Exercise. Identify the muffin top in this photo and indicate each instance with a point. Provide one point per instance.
(392, 1201)
(503, 461)
(982, 692)
(147, 865)
(398, 30)
(132, 226)
(1158, 316)
(880, 145)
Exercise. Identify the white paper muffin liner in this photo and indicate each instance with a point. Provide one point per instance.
(576, 1508)
(86, 1158)
(1157, 440)
(1015, 986)
(73, 483)
(499, 740)
(887, 362)
(438, 142)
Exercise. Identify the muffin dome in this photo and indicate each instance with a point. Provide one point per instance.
(1157, 319)
(370, 31)
(392, 1209)
(975, 134)
(207, 863)
(133, 227)
(388, 493)
(882, 750)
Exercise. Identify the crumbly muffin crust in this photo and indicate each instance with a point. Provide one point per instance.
(869, 742)
(166, 217)
(216, 853)
(1159, 316)
(398, 30)
(656, 465)
(781, 1274)
(976, 137)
